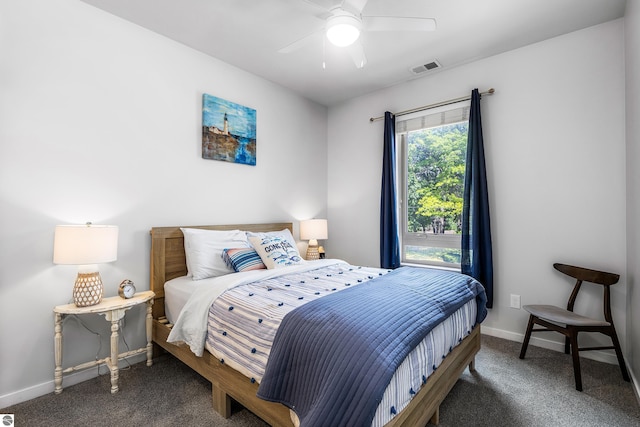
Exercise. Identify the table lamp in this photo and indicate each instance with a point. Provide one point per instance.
(86, 246)
(313, 230)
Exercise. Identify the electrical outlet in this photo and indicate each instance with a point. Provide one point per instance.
(515, 301)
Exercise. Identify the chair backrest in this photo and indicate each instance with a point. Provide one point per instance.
(593, 276)
(586, 275)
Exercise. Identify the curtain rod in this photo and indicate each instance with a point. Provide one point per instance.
(437, 104)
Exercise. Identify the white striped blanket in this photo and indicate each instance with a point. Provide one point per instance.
(243, 321)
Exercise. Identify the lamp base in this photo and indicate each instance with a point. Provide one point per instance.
(312, 252)
(88, 289)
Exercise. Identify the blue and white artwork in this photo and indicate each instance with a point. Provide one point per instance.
(228, 131)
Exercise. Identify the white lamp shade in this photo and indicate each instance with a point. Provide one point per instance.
(314, 229)
(85, 244)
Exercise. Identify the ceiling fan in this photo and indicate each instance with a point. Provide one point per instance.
(344, 22)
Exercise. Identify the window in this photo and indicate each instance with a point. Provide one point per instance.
(432, 155)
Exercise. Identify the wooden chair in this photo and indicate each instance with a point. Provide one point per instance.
(570, 324)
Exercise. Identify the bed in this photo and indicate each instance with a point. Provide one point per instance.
(168, 261)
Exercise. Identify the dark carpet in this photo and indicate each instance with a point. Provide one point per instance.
(504, 391)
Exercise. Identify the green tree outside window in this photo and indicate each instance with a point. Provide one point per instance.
(435, 178)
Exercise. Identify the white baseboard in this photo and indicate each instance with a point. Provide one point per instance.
(38, 390)
(600, 356)
(78, 377)
(634, 383)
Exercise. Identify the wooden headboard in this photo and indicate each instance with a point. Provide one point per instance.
(167, 254)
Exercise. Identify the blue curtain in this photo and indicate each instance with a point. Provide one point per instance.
(477, 258)
(389, 239)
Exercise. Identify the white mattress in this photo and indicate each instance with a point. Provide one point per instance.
(176, 293)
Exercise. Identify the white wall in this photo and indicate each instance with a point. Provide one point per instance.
(555, 150)
(100, 121)
(632, 63)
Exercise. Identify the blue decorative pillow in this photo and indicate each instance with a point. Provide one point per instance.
(275, 250)
(243, 259)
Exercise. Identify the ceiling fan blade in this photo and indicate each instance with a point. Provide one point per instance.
(318, 8)
(298, 44)
(355, 5)
(357, 54)
(398, 23)
(324, 5)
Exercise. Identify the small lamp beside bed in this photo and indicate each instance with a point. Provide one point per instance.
(313, 230)
(86, 246)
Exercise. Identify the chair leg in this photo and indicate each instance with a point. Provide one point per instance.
(576, 360)
(567, 345)
(527, 336)
(616, 344)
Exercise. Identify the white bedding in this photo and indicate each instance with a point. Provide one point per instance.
(191, 325)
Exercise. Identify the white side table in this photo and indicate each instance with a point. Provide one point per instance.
(113, 309)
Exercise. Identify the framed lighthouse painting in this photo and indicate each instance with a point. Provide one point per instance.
(228, 131)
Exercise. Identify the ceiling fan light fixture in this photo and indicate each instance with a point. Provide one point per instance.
(343, 30)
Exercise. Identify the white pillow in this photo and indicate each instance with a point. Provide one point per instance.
(276, 249)
(203, 250)
(285, 234)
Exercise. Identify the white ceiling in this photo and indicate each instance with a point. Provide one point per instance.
(249, 33)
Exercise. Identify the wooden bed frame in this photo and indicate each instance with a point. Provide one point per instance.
(168, 261)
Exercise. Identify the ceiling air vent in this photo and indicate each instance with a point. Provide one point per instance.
(423, 68)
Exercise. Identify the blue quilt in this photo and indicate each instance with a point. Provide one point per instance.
(333, 358)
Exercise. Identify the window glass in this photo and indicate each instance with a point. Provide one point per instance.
(432, 155)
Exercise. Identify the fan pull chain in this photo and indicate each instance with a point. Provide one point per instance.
(324, 63)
